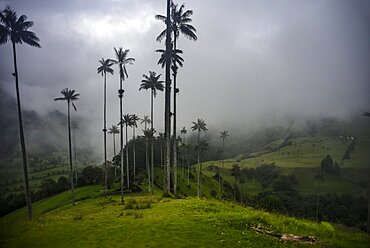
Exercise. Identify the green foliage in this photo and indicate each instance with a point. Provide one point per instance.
(220, 224)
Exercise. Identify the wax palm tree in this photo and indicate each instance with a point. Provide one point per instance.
(199, 126)
(103, 69)
(224, 135)
(201, 148)
(114, 130)
(122, 60)
(179, 24)
(75, 127)
(69, 96)
(161, 139)
(127, 121)
(153, 84)
(16, 30)
(134, 119)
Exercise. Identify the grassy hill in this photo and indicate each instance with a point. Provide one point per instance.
(153, 221)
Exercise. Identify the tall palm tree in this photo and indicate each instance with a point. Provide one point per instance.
(224, 135)
(367, 114)
(103, 69)
(114, 130)
(183, 132)
(180, 24)
(75, 127)
(69, 96)
(134, 119)
(16, 30)
(199, 126)
(167, 104)
(122, 60)
(175, 58)
(153, 83)
(127, 121)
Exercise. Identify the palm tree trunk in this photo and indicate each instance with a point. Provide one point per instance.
(223, 164)
(74, 153)
(70, 151)
(105, 135)
(114, 155)
(120, 92)
(199, 181)
(167, 120)
(21, 136)
(127, 163)
(174, 126)
(147, 159)
(188, 162)
(134, 151)
(151, 139)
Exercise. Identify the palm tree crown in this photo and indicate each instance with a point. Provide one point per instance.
(174, 55)
(146, 120)
(122, 60)
(113, 130)
(134, 118)
(105, 67)
(224, 135)
(183, 130)
(152, 82)
(179, 23)
(69, 96)
(199, 126)
(16, 29)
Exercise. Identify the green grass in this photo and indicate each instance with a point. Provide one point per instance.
(163, 222)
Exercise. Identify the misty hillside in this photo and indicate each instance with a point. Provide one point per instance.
(46, 136)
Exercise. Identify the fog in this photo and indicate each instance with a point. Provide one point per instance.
(256, 63)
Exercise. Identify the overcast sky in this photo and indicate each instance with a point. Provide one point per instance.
(254, 61)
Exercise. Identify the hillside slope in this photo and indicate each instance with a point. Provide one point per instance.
(153, 221)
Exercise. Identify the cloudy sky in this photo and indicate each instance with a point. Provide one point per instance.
(254, 62)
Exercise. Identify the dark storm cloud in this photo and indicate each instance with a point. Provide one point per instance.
(255, 62)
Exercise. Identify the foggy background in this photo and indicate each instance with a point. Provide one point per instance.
(256, 63)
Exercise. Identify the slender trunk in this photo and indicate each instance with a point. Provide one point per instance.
(174, 124)
(134, 152)
(234, 188)
(70, 151)
(199, 181)
(188, 162)
(120, 92)
(127, 163)
(147, 160)
(223, 164)
(21, 136)
(74, 151)
(167, 99)
(105, 135)
(114, 155)
(151, 140)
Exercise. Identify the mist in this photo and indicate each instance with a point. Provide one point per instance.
(255, 64)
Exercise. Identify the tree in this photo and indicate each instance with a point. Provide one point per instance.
(224, 135)
(16, 29)
(134, 119)
(199, 126)
(127, 120)
(179, 24)
(122, 60)
(367, 114)
(103, 69)
(146, 121)
(153, 83)
(69, 96)
(114, 130)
